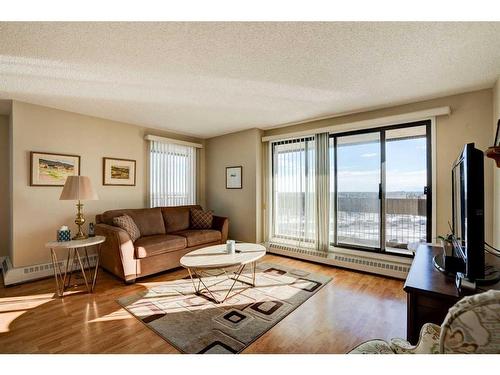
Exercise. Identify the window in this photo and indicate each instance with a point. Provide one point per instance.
(377, 194)
(172, 174)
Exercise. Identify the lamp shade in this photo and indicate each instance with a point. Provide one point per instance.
(78, 188)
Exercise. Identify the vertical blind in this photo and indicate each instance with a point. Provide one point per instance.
(322, 198)
(294, 185)
(172, 174)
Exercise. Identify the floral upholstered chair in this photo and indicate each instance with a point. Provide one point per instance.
(472, 325)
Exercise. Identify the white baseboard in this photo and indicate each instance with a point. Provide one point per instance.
(12, 276)
(381, 264)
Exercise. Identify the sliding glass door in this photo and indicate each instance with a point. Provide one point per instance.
(380, 184)
(376, 196)
(406, 187)
(358, 189)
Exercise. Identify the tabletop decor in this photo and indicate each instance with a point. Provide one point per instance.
(63, 234)
(230, 246)
(194, 323)
(49, 169)
(78, 188)
(91, 232)
(118, 172)
(234, 177)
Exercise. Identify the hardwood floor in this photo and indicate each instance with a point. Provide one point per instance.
(352, 308)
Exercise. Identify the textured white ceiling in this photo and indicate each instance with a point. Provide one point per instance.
(207, 79)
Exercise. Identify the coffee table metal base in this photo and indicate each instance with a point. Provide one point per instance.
(201, 286)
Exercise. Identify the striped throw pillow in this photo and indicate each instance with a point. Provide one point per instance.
(201, 219)
(128, 224)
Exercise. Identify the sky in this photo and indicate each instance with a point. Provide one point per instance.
(359, 167)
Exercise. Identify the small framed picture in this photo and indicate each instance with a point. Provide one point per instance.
(49, 169)
(118, 172)
(234, 177)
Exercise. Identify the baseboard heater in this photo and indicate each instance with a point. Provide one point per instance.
(18, 275)
(381, 264)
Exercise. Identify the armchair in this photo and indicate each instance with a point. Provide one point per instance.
(471, 326)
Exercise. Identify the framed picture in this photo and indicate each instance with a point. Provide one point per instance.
(234, 177)
(118, 172)
(48, 169)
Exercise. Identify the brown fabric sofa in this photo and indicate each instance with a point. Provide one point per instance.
(165, 237)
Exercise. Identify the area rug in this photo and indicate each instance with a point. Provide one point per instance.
(195, 324)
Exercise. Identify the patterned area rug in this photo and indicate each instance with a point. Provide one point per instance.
(194, 324)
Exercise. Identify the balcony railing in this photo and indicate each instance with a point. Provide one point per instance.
(358, 220)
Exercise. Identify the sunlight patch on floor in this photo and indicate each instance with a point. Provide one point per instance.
(116, 315)
(12, 308)
(8, 317)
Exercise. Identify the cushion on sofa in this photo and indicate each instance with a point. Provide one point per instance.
(177, 218)
(128, 224)
(148, 220)
(158, 244)
(201, 219)
(197, 237)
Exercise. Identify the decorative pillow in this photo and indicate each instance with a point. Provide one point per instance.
(201, 219)
(128, 224)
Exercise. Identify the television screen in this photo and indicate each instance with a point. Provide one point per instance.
(468, 210)
(459, 207)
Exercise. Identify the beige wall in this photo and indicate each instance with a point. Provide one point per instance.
(496, 171)
(37, 211)
(4, 187)
(470, 121)
(241, 206)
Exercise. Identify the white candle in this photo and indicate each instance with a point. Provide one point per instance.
(230, 246)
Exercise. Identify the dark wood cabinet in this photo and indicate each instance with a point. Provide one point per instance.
(429, 293)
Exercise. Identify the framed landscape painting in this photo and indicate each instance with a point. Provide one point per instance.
(48, 169)
(118, 172)
(234, 177)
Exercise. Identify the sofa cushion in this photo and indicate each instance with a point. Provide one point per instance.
(158, 244)
(128, 224)
(201, 219)
(197, 237)
(177, 218)
(148, 220)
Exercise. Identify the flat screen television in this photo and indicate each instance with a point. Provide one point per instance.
(468, 211)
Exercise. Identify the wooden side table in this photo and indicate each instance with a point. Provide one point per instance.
(74, 247)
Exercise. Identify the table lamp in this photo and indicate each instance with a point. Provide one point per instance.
(78, 188)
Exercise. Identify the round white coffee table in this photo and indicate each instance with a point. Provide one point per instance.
(216, 257)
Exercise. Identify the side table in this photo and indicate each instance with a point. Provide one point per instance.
(74, 247)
